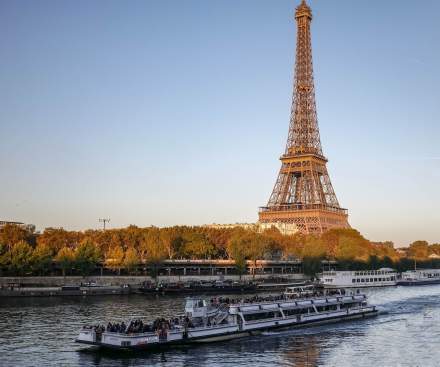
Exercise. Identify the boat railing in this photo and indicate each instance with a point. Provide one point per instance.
(176, 329)
(335, 299)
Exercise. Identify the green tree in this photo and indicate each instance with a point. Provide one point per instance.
(41, 259)
(86, 257)
(313, 252)
(236, 250)
(65, 259)
(312, 265)
(256, 246)
(387, 262)
(21, 257)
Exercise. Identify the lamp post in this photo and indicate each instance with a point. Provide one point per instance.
(104, 221)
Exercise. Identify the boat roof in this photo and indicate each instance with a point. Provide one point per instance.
(266, 306)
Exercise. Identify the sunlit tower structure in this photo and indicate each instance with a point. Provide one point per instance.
(303, 194)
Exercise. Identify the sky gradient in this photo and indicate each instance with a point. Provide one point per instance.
(165, 112)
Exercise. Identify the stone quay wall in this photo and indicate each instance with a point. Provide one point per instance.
(56, 281)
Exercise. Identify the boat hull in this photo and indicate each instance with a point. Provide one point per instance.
(230, 335)
(360, 285)
(201, 290)
(418, 282)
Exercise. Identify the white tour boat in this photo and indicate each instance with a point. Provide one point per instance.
(217, 321)
(420, 277)
(357, 279)
(300, 291)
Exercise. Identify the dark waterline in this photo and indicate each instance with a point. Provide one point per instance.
(40, 332)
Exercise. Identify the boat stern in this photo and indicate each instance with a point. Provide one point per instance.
(86, 336)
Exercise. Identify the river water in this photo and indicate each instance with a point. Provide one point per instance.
(40, 332)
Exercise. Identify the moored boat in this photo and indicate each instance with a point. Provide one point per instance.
(420, 277)
(300, 291)
(191, 288)
(359, 279)
(226, 319)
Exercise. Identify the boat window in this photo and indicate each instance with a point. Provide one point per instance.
(358, 280)
(375, 279)
(326, 308)
(261, 316)
(292, 312)
(353, 280)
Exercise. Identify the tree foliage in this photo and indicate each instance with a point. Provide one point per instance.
(114, 258)
(65, 259)
(87, 255)
(76, 251)
(21, 257)
(131, 259)
(41, 259)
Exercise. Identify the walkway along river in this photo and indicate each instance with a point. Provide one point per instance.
(40, 331)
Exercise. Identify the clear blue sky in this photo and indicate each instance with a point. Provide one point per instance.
(171, 112)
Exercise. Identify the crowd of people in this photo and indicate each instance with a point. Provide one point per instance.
(254, 299)
(138, 326)
(274, 298)
(159, 326)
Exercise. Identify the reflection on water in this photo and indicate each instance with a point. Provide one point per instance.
(40, 331)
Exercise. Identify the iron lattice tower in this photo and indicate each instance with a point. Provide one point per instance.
(303, 194)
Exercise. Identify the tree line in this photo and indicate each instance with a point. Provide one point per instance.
(26, 253)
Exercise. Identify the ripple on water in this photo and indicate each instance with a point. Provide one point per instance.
(40, 332)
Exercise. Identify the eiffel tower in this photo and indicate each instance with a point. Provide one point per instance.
(303, 194)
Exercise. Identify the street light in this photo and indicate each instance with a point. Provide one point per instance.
(104, 221)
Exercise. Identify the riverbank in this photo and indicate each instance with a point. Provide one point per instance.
(58, 281)
(62, 292)
(122, 285)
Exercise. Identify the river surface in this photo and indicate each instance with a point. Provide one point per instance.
(40, 332)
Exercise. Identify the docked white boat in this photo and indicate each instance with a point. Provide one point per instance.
(205, 322)
(300, 291)
(420, 277)
(359, 279)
